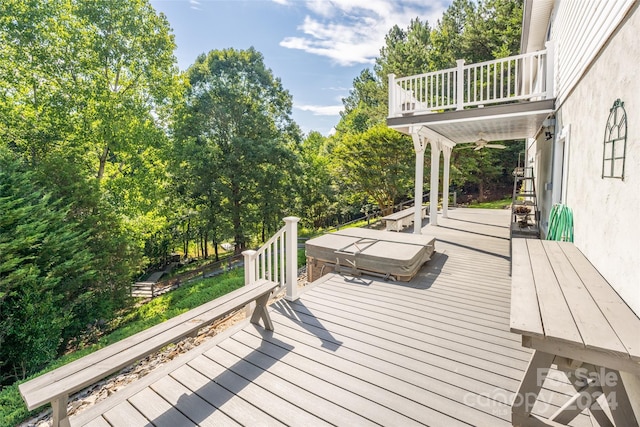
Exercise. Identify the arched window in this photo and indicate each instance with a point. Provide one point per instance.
(615, 142)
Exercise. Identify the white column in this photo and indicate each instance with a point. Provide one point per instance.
(435, 172)
(291, 257)
(418, 146)
(446, 151)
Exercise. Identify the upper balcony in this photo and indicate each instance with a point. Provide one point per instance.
(506, 86)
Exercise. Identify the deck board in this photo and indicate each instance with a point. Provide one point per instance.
(238, 409)
(196, 408)
(363, 351)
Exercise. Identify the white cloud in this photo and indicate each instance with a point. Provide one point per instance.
(321, 110)
(195, 4)
(282, 2)
(352, 32)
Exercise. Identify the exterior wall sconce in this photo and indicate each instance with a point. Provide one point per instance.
(549, 127)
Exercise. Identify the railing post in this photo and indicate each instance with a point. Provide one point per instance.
(249, 267)
(291, 257)
(392, 101)
(249, 276)
(549, 79)
(459, 84)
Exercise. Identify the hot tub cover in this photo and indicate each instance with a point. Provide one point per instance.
(359, 250)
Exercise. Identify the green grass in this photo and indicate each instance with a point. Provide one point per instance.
(13, 409)
(495, 204)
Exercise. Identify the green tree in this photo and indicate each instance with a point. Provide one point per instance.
(377, 163)
(447, 36)
(240, 113)
(493, 31)
(316, 184)
(87, 88)
(406, 52)
(44, 269)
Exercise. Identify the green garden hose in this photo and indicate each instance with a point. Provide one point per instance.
(560, 224)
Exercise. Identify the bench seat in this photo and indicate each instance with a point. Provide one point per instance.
(398, 220)
(572, 317)
(57, 385)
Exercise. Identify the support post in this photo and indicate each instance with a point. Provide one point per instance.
(418, 146)
(291, 257)
(261, 312)
(530, 386)
(435, 175)
(446, 151)
(60, 417)
(460, 84)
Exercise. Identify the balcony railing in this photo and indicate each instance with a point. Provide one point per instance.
(276, 260)
(521, 77)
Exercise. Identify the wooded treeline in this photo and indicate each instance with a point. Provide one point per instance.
(111, 158)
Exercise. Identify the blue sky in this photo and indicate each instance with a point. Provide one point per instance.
(316, 47)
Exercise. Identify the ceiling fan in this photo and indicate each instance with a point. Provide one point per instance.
(483, 143)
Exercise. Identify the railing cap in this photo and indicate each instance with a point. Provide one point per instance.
(291, 219)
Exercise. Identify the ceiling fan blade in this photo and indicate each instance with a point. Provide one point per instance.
(500, 146)
(479, 147)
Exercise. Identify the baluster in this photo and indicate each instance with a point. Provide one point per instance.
(282, 253)
(531, 58)
(448, 79)
(509, 78)
(274, 267)
(517, 78)
(262, 265)
(431, 105)
(502, 79)
(495, 80)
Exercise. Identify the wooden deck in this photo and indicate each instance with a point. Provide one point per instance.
(434, 351)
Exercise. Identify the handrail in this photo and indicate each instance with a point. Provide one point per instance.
(527, 76)
(276, 260)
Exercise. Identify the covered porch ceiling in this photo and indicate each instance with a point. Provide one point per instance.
(494, 123)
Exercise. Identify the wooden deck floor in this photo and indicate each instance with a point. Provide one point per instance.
(361, 351)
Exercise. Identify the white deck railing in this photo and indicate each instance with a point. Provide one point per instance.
(276, 260)
(522, 77)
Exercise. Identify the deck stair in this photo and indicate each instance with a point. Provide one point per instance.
(525, 215)
(147, 288)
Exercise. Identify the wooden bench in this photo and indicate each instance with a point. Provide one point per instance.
(56, 386)
(398, 220)
(570, 315)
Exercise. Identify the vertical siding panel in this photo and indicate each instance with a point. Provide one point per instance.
(580, 29)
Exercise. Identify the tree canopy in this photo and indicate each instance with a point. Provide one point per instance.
(237, 117)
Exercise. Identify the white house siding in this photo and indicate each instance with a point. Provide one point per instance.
(579, 29)
(606, 211)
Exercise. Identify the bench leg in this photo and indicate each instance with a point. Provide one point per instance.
(529, 389)
(60, 417)
(587, 393)
(261, 312)
(617, 398)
